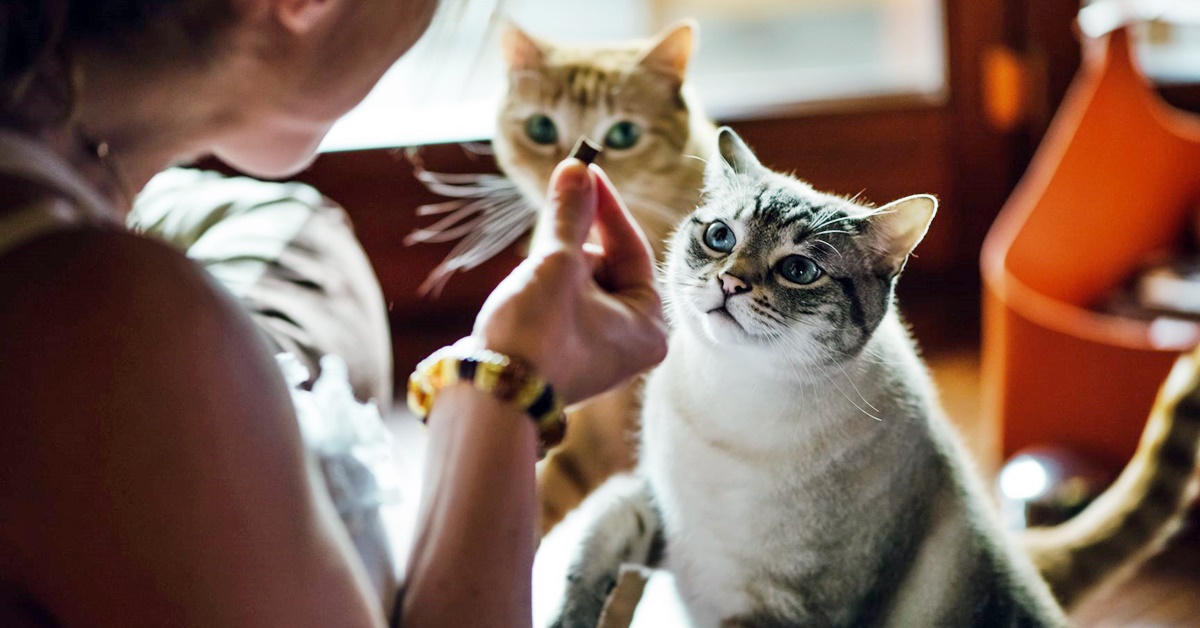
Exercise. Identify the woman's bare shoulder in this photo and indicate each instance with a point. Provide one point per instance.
(93, 273)
(149, 443)
(101, 309)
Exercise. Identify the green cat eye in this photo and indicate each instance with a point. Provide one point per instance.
(799, 269)
(540, 128)
(623, 135)
(719, 237)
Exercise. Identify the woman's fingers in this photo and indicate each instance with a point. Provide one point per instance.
(567, 216)
(627, 257)
(586, 314)
(628, 272)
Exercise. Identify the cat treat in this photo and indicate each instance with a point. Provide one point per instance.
(586, 150)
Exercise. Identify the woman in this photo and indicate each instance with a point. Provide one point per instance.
(153, 474)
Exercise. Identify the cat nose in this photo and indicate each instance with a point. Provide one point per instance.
(732, 284)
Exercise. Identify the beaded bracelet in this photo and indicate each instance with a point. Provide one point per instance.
(508, 378)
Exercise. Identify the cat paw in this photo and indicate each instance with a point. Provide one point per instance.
(584, 605)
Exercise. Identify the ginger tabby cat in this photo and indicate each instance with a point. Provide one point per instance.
(632, 98)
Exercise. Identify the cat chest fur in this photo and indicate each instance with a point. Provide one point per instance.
(738, 454)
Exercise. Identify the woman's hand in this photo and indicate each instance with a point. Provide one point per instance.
(586, 315)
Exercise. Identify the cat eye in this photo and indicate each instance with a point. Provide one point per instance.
(540, 128)
(719, 237)
(622, 135)
(798, 269)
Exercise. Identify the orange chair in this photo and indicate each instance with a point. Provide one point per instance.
(1116, 178)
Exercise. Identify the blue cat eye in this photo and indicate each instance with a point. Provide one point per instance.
(798, 269)
(540, 128)
(719, 237)
(623, 135)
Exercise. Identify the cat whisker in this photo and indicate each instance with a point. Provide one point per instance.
(855, 386)
(497, 223)
(469, 253)
(831, 247)
(823, 353)
(774, 318)
(865, 355)
(695, 162)
(828, 355)
(479, 148)
(436, 209)
(684, 284)
(825, 373)
(523, 75)
(830, 232)
(460, 185)
(822, 222)
(809, 323)
(852, 402)
(778, 343)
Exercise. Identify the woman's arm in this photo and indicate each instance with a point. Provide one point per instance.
(587, 318)
(474, 551)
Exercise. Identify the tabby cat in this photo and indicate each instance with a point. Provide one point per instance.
(796, 469)
(632, 98)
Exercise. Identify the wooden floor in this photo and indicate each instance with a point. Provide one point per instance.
(1164, 593)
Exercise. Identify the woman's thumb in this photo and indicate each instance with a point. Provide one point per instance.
(567, 217)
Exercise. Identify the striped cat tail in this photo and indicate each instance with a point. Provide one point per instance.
(1139, 512)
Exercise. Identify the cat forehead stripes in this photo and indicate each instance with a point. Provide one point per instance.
(781, 205)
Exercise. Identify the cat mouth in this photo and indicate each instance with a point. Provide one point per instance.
(722, 312)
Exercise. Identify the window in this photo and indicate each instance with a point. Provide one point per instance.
(1166, 34)
(756, 57)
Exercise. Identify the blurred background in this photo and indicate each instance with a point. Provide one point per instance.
(1042, 345)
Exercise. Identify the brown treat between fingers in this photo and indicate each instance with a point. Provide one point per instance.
(585, 150)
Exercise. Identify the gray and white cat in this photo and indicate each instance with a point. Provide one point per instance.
(796, 469)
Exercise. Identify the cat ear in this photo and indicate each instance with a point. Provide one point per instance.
(733, 157)
(900, 226)
(672, 49)
(521, 51)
